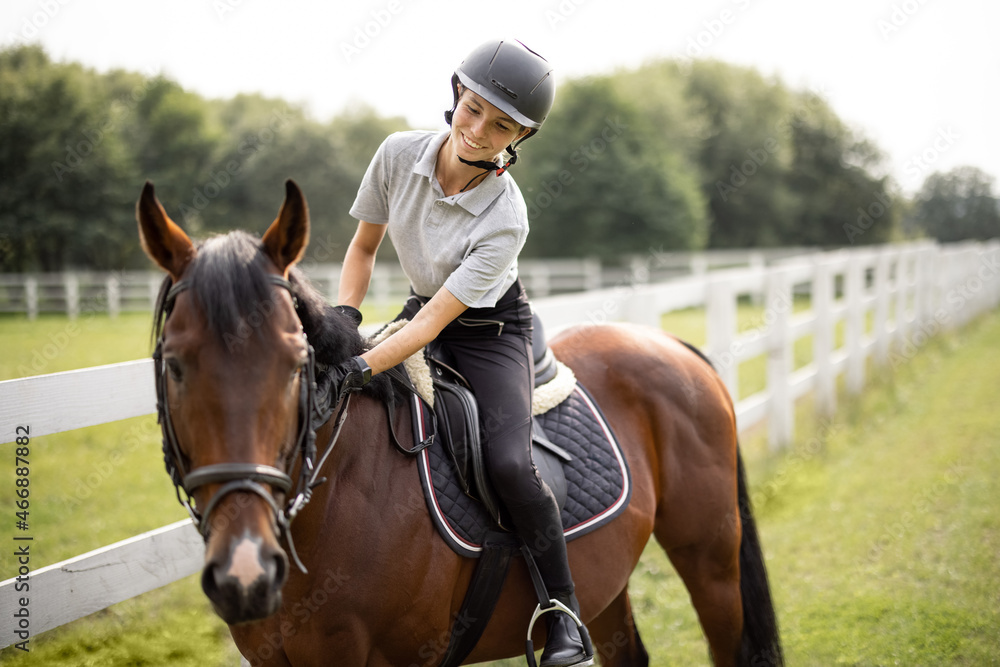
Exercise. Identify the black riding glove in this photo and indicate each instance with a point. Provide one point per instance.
(352, 375)
(351, 312)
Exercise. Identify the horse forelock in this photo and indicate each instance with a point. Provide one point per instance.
(229, 281)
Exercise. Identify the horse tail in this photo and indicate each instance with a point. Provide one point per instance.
(761, 645)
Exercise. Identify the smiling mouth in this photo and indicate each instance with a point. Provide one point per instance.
(470, 143)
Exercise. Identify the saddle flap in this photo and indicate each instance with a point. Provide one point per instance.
(458, 429)
(458, 423)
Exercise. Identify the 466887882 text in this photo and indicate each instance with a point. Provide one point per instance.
(22, 539)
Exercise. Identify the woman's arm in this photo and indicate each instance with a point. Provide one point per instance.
(425, 326)
(356, 274)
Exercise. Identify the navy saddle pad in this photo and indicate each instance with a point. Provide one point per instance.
(598, 482)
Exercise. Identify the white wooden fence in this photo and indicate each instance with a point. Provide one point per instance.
(891, 299)
(78, 292)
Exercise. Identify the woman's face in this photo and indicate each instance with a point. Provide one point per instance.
(479, 130)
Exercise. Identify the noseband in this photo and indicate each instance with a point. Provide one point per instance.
(313, 410)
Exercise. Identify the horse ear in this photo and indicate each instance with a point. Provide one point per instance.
(286, 239)
(163, 241)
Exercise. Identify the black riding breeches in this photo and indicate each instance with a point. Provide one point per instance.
(491, 348)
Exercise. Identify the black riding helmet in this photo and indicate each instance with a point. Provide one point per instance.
(511, 77)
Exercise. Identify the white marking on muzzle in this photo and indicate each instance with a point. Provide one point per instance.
(245, 565)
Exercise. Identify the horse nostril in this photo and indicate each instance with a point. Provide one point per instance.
(278, 570)
(210, 580)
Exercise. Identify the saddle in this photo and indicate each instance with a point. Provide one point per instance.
(573, 449)
(459, 430)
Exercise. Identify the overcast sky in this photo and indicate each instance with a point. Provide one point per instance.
(919, 77)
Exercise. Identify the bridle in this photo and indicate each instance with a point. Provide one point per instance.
(314, 409)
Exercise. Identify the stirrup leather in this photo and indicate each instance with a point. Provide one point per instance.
(556, 605)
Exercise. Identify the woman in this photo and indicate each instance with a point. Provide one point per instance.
(458, 222)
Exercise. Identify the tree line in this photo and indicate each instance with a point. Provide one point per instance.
(668, 156)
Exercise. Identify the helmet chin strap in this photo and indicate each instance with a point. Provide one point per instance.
(488, 166)
(479, 164)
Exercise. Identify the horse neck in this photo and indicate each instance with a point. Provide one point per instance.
(368, 481)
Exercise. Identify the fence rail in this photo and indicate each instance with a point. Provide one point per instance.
(76, 292)
(890, 299)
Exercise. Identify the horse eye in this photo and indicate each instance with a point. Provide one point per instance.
(174, 368)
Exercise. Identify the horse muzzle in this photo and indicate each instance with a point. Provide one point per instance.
(244, 582)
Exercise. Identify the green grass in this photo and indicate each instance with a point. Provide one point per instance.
(879, 526)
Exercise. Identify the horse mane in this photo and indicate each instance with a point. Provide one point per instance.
(333, 334)
(229, 280)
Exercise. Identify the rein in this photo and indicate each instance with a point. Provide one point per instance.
(314, 409)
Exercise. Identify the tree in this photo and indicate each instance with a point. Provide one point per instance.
(780, 168)
(271, 141)
(841, 200)
(602, 179)
(744, 152)
(76, 145)
(62, 168)
(957, 205)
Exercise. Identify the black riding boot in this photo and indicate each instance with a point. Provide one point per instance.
(563, 645)
(540, 526)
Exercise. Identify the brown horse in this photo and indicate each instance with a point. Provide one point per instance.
(236, 321)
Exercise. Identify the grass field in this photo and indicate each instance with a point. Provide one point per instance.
(879, 526)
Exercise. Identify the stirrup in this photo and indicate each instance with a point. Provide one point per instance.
(556, 605)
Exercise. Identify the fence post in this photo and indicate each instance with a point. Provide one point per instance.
(540, 278)
(757, 265)
(698, 264)
(984, 276)
(925, 284)
(381, 285)
(72, 286)
(31, 297)
(720, 312)
(902, 293)
(881, 308)
(960, 259)
(153, 289)
(333, 282)
(592, 277)
(822, 305)
(114, 296)
(638, 271)
(918, 287)
(854, 290)
(993, 252)
(781, 407)
(969, 282)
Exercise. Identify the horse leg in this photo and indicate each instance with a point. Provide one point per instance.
(711, 574)
(616, 639)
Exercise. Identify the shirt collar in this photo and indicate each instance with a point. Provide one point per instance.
(476, 200)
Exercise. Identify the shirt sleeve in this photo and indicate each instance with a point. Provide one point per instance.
(372, 202)
(481, 277)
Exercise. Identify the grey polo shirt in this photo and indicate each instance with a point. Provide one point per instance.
(468, 242)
